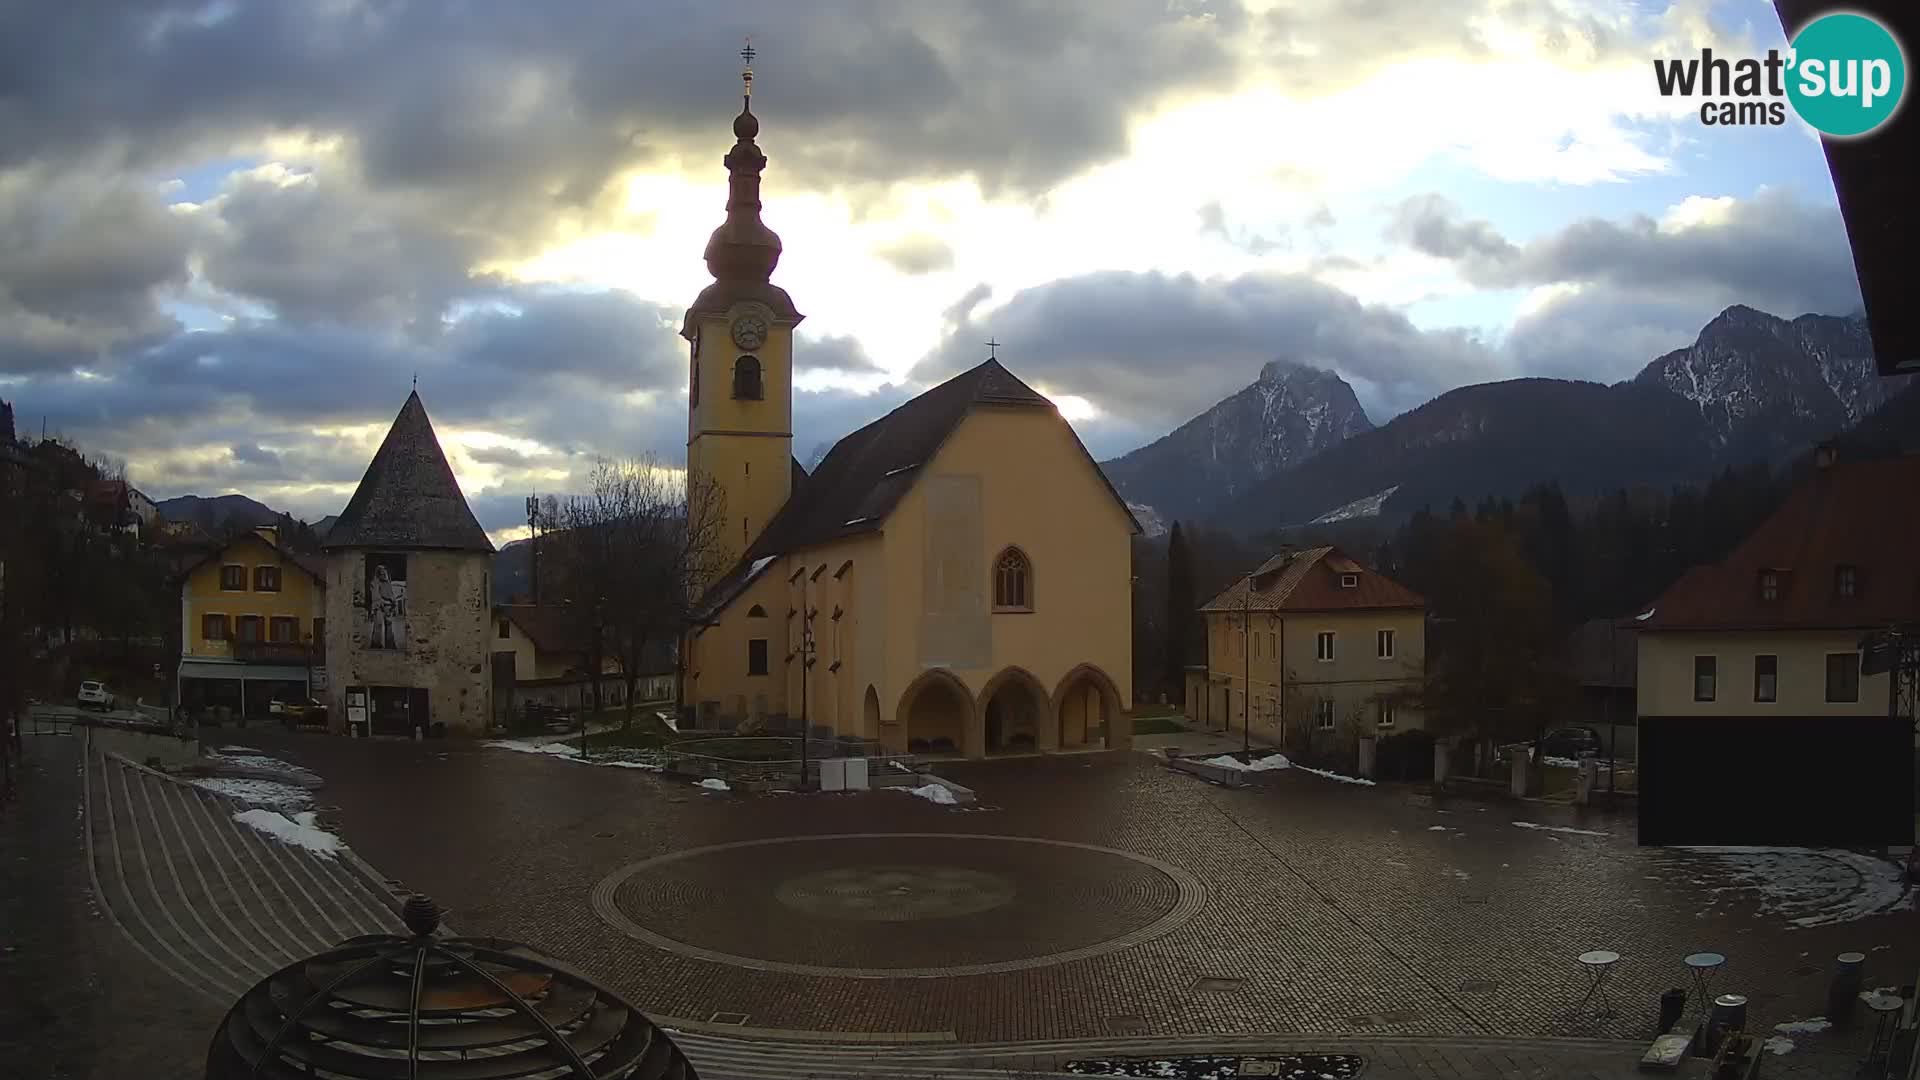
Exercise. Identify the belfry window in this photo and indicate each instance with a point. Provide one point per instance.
(746, 379)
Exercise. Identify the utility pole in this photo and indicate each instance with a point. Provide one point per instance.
(533, 537)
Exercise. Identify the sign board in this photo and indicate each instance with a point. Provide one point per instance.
(317, 680)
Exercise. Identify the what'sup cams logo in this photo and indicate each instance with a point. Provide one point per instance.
(1844, 74)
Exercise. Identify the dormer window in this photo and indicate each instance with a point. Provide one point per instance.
(1769, 586)
(1846, 581)
(746, 379)
(1349, 581)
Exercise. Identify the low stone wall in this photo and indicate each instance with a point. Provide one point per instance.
(141, 746)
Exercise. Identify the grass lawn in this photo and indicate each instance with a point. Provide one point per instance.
(1158, 725)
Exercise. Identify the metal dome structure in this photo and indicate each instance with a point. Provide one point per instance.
(386, 1007)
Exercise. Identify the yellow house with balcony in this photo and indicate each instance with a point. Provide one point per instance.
(954, 577)
(252, 628)
(1312, 650)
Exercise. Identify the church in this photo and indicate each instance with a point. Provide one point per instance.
(955, 577)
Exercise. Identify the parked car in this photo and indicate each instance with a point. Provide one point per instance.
(95, 695)
(291, 713)
(1571, 742)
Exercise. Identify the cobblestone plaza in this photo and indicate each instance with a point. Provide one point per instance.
(1086, 901)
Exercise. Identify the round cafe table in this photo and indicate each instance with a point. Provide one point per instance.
(1704, 965)
(1598, 964)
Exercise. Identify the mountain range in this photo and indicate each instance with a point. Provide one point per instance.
(1295, 447)
(1289, 414)
(1752, 386)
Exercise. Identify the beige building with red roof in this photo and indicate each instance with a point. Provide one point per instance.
(1775, 628)
(1312, 650)
(954, 577)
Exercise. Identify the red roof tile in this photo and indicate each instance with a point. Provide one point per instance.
(1310, 581)
(1865, 515)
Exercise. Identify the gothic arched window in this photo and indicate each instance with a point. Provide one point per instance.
(756, 612)
(746, 378)
(1012, 581)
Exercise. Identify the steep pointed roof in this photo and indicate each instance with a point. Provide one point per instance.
(409, 498)
(857, 484)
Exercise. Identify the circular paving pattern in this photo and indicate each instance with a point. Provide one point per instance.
(897, 905)
(895, 893)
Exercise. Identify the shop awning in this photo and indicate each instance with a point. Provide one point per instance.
(211, 669)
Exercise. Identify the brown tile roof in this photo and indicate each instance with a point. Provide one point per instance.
(408, 497)
(1864, 514)
(550, 628)
(553, 631)
(1310, 581)
(863, 477)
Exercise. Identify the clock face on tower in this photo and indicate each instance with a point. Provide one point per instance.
(750, 331)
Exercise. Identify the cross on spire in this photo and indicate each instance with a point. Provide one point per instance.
(993, 349)
(746, 74)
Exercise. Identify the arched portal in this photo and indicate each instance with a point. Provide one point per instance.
(870, 714)
(1014, 713)
(935, 713)
(1086, 706)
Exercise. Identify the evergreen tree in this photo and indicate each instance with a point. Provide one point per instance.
(1181, 621)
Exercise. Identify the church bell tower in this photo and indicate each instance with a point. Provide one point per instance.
(740, 336)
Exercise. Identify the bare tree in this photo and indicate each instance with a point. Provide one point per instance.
(628, 557)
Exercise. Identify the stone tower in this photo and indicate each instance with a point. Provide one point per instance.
(409, 594)
(740, 376)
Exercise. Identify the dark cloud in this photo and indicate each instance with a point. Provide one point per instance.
(961, 310)
(319, 246)
(918, 254)
(497, 455)
(254, 454)
(838, 353)
(1156, 349)
(1021, 94)
(1430, 225)
(1772, 251)
(84, 265)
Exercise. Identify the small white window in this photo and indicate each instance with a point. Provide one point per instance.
(1349, 581)
(1323, 713)
(1386, 714)
(1323, 646)
(1383, 644)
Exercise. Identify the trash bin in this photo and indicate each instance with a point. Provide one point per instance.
(1843, 991)
(1673, 1004)
(1730, 1012)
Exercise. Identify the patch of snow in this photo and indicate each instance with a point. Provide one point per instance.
(760, 564)
(255, 761)
(557, 749)
(299, 833)
(933, 793)
(1815, 887)
(1364, 507)
(264, 792)
(1264, 764)
(1151, 523)
(1804, 1027)
(1778, 1044)
(714, 783)
(1557, 828)
(1438, 828)
(1336, 776)
(1645, 615)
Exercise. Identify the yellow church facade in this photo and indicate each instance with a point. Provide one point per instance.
(954, 577)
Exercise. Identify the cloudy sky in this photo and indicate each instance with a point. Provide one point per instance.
(232, 233)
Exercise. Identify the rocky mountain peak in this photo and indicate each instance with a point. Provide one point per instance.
(1287, 414)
